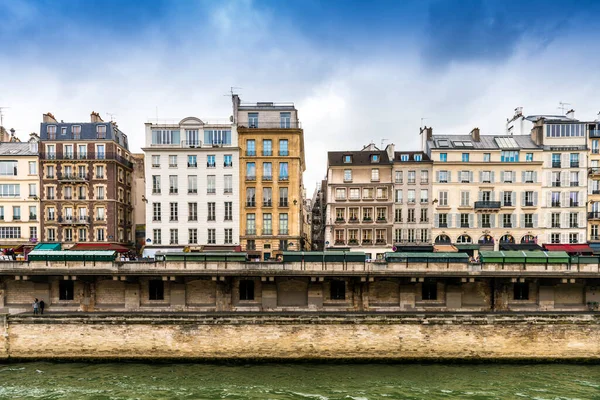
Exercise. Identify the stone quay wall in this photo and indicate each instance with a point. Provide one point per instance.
(259, 337)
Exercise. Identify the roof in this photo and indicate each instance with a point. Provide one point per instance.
(411, 156)
(16, 149)
(88, 132)
(336, 158)
(570, 248)
(99, 246)
(487, 142)
(551, 118)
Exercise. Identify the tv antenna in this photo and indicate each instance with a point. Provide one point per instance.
(112, 116)
(232, 91)
(562, 106)
(2, 115)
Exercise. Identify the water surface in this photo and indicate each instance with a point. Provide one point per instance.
(43, 380)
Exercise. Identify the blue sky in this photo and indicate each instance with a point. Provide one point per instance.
(358, 71)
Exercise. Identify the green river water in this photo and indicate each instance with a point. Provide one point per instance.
(43, 380)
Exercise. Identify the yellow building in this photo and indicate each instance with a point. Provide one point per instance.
(593, 217)
(19, 194)
(271, 167)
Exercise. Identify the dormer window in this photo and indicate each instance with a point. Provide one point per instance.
(63, 130)
(76, 131)
(101, 131)
(51, 130)
(374, 158)
(404, 157)
(418, 157)
(347, 159)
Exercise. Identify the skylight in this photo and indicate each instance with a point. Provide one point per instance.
(506, 143)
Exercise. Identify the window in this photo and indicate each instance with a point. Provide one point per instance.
(347, 175)
(424, 176)
(507, 220)
(253, 120)
(398, 215)
(193, 236)
(192, 184)
(211, 184)
(283, 224)
(443, 176)
(155, 184)
(429, 290)
(555, 238)
(509, 156)
(486, 221)
(101, 131)
(66, 290)
(10, 232)
(464, 221)
(340, 194)
(51, 234)
(100, 213)
(374, 158)
(285, 120)
(174, 211)
(32, 190)
(192, 137)
(165, 136)
(521, 291)
(507, 177)
(418, 157)
(10, 190)
(250, 147)
(398, 196)
(411, 177)
(443, 220)
(156, 212)
(33, 233)
(443, 157)
(16, 212)
(217, 137)
(211, 161)
(51, 130)
(173, 184)
(487, 157)
(228, 236)
(228, 160)
(267, 171)
(574, 179)
(100, 154)
(555, 160)
(347, 159)
(508, 199)
(212, 236)
(529, 157)
(267, 224)
(573, 238)
(81, 172)
(32, 168)
(574, 158)
(156, 289)
(250, 224)
(267, 197)
(192, 162)
(283, 147)
(367, 193)
(528, 220)
(68, 151)
(555, 220)
(283, 171)
(267, 147)
(228, 183)
(465, 157)
(211, 212)
(228, 211)
(573, 220)
(398, 177)
(50, 191)
(100, 171)
(250, 171)
(337, 290)
(192, 211)
(50, 172)
(172, 161)
(424, 199)
(100, 235)
(375, 174)
(246, 290)
(443, 201)
(250, 197)
(355, 194)
(574, 199)
(174, 236)
(464, 199)
(411, 196)
(32, 213)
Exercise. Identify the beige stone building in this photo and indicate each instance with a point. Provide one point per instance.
(138, 190)
(486, 189)
(359, 212)
(593, 214)
(271, 166)
(19, 194)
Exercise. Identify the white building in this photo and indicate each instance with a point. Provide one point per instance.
(192, 185)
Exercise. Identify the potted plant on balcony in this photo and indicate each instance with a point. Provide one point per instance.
(381, 219)
(339, 220)
(367, 219)
(366, 241)
(353, 219)
(353, 242)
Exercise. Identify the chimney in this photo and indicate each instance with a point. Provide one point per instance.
(95, 117)
(518, 111)
(571, 114)
(49, 118)
(389, 149)
(475, 135)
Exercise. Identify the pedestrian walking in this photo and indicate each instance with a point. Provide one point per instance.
(42, 305)
(36, 305)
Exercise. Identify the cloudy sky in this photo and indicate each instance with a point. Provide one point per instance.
(358, 71)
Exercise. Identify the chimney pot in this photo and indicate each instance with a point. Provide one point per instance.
(475, 135)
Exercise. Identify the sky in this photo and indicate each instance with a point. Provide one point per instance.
(357, 71)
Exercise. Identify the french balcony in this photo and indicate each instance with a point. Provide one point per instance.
(574, 164)
(192, 165)
(367, 220)
(380, 241)
(339, 243)
(595, 191)
(72, 178)
(353, 242)
(250, 204)
(464, 225)
(267, 232)
(574, 203)
(487, 205)
(508, 204)
(367, 242)
(267, 178)
(574, 184)
(211, 165)
(228, 164)
(528, 224)
(556, 204)
(267, 203)
(353, 220)
(284, 124)
(250, 152)
(556, 184)
(381, 220)
(556, 164)
(594, 171)
(283, 153)
(267, 153)
(283, 203)
(340, 220)
(594, 237)
(284, 232)
(283, 178)
(250, 178)
(594, 133)
(594, 215)
(250, 231)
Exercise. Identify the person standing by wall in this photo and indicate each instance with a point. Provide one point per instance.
(42, 306)
(36, 304)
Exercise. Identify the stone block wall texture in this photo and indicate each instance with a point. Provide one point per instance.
(292, 337)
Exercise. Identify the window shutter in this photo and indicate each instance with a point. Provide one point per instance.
(523, 176)
(549, 178)
(522, 199)
(470, 176)
(548, 217)
(581, 237)
(581, 220)
(522, 221)
(471, 222)
(565, 220)
(502, 175)
(514, 177)
(513, 198)
(436, 221)
(564, 160)
(535, 220)
(493, 220)
(590, 187)
(535, 198)
(564, 238)
(480, 196)
(449, 219)
(581, 198)
(548, 199)
(513, 220)
(449, 176)
(492, 177)
(479, 220)
(501, 197)
(535, 177)
(480, 176)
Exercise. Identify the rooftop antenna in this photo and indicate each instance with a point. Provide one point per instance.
(2, 115)
(112, 116)
(562, 106)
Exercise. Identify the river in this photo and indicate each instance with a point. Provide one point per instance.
(99, 381)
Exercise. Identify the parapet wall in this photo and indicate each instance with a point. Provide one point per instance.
(306, 337)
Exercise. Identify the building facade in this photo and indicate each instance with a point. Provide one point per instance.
(138, 194)
(319, 203)
(412, 198)
(19, 194)
(359, 200)
(85, 172)
(192, 185)
(487, 189)
(593, 174)
(271, 167)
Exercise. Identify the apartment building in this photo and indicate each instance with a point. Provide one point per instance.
(271, 168)
(593, 215)
(359, 200)
(192, 185)
(85, 172)
(319, 203)
(412, 211)
(19, 194)
(486, 189)
(138, 194)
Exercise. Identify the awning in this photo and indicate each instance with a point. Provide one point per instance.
(467, 246)
(444, 248)
(520, 246)
(47, 246)
(100, 246)
(570, 248)
(595, 247)
(413, 248)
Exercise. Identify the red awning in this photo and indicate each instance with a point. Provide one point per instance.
(100, 246)
(570, 248)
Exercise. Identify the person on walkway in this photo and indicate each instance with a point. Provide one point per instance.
(42, 305)
(36, 304)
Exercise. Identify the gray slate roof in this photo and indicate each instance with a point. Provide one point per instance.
(358, 157)
(16, 149)
(487, 142)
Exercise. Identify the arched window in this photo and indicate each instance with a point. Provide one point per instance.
(507, 239)
(486, 239)
(442, 239)
(529, 239)
(464, 239)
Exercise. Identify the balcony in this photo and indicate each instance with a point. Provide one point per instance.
(340, 220)
(250, 152)
(72, 178)
(594, 171)
(574, 184)
(556, 164)
(250, 178)
(74, 220)
(555, 203)
(267, 153)
(267, 178)
(574, 164)
(381, 220)
(283, 203)
(283, 153)
(250, 204)
(250, 231)
(283, 178)
(267, 203)
(211, 165)
(594, 215)
(487, 205)
(287, 124)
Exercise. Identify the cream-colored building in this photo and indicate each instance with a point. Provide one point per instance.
(486, 189)
(19, 194)
(593, 215)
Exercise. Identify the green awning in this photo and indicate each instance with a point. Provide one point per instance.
(469, 246)
(48, 246)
